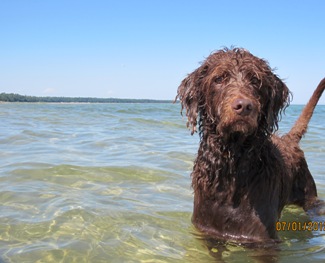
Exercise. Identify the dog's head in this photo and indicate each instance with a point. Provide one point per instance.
(235, 92)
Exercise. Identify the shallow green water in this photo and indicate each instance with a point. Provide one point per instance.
(110, 183)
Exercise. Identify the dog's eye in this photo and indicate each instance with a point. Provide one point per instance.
(219, 79)
(255, 80)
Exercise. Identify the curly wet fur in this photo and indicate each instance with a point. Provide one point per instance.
(244, 175)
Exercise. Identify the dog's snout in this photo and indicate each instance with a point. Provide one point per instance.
(242, 106)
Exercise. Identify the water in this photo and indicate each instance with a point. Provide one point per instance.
(110, 183)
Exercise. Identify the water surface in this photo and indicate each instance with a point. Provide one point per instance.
(110, 183)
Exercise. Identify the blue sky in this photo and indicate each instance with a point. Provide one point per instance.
(143, 49)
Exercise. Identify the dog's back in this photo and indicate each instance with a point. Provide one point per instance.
(303, 191)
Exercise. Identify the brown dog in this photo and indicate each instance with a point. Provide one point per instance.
(244, 174)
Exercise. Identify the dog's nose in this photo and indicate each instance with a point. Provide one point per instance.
(242, 106)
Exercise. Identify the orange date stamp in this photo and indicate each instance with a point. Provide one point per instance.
(300, 226)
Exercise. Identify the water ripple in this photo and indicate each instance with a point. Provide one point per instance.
(110, 183)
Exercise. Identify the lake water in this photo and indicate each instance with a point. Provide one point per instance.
(111, 183)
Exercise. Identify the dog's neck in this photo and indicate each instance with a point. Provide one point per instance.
(230, 161)
(234, 144)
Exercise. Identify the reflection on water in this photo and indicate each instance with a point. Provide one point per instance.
(110, 183)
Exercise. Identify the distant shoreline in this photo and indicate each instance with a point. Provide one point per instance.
(11, 97)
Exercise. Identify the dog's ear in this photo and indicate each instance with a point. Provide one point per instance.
(190, 95)
(278, 99)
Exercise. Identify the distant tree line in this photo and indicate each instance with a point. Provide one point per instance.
(11, 97)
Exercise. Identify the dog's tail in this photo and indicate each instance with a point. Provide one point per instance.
(300, 127)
